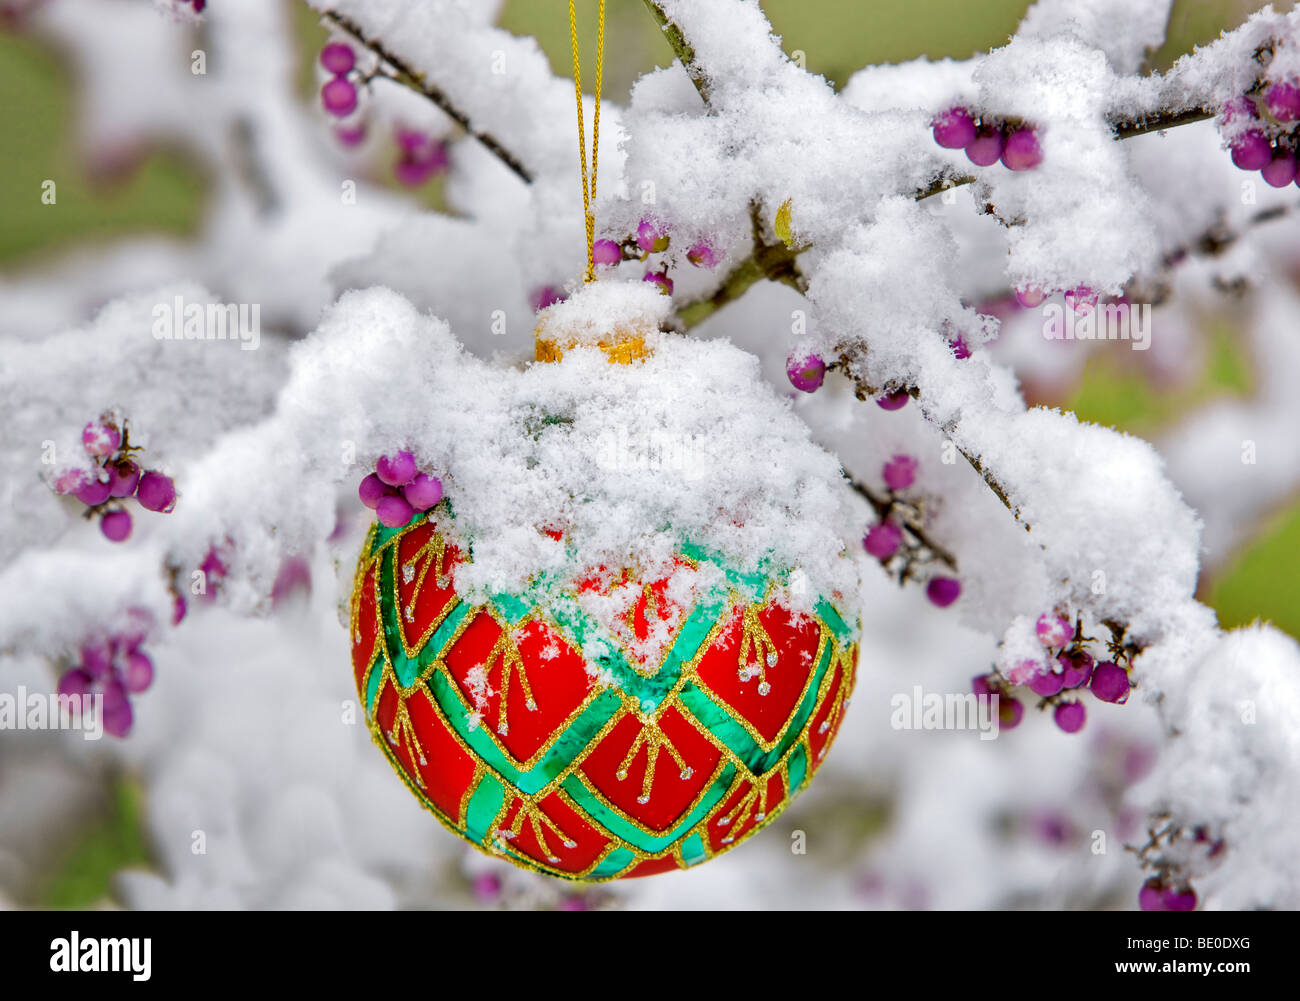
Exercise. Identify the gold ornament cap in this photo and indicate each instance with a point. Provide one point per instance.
(623, 319)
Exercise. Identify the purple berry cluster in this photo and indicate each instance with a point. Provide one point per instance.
(115, 667)
(339, 94)
(893, 539)
(987, 139)
(1067, 670)
(1168, 854)
(653, 239)
(396, 490)
(116, 477)
(1261, 131)
(421, 157)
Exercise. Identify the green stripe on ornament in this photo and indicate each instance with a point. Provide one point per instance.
(442, 636)
(406, 669)
(577, 736)
(599, 648)
(614, 863)
(484, 805)
(754, 585)
(512, 607)
(649, 843)
(826, 611)
(798, 768)
(720, 722)
(693, 851)
(372, 687)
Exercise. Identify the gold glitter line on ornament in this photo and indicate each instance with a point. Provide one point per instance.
(757, 646)
(735, 817)
(431, 555)
(653, 739)
(403, 730)
(532, 814)
(824, 632)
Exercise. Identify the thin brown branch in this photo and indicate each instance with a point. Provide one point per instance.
(406, 75)
(884, 505)
(685, 53)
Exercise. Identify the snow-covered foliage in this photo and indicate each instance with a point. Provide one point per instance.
(383, 326)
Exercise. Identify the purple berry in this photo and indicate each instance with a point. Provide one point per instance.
(118, 718)
(1076, 668)
(1180, 900)
(156, 492)
(92, 493)
(423, 492)
(661, 279)
(422, 158)
(1110, 683)
(980, 685)
(1022, 150)
(1283, 101)
(703, 255)
(943, 591)
(293, 579)
(350, 135)
(606, 252)
(97, 660)
(138, 673)
(371, 490)
(213, 566)
(1251, 150)
(954, 128)
(1280, 171)
(487, 887)
(339, 97)
(179, 608)
(123, 477)
(396, 470)
(882, 540)
(893, 401)
(805, 370)
(1083, 300)
(116, 526)
(651, 237)
(986, 148)
(547, 295)
(1054, 631)
(960, 349)
(101, 438)
(1010, 713)
(899, 472)
(1070, 716)
(76, 683)
(394, 512)
(1152, 896)
(1030, 296)
(1046, 683)
(70, 481)
(338, 58)
(1238, 109)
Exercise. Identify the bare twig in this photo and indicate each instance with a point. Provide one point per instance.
(406, 75)
(677, 40)
(884, 505)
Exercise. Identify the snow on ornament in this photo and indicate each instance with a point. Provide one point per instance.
(663, 689)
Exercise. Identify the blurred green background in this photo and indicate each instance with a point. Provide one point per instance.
(159, 189)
